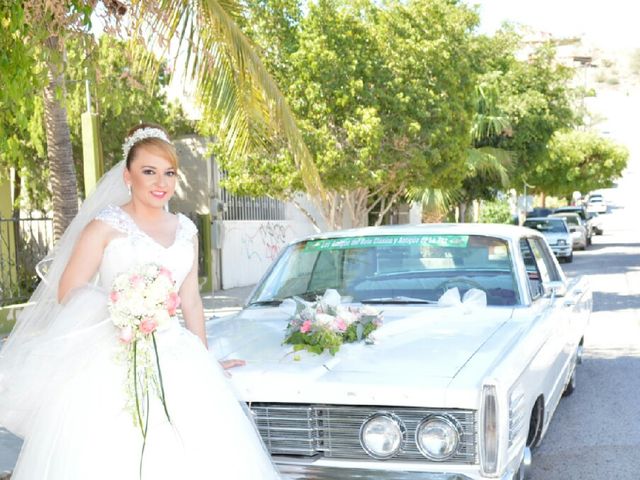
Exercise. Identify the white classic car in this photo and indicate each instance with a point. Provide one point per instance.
(449, 390)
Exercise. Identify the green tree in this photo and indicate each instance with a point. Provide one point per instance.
(119, 96)
(581, 161)
(384, 104)
(242, 104)
(538, 99)
(21, 143)
(229, 76)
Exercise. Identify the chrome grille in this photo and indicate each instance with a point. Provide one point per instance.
(333, 430)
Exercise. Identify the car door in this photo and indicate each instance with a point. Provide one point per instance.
(553, 324)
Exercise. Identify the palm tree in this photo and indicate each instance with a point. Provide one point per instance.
(484, 162)
(232, 83)
(59, 152)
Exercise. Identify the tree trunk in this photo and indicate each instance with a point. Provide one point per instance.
(462, 208)
(62, 172)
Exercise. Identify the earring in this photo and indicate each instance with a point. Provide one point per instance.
(129, 188)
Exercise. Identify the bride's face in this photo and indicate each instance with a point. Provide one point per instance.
(152, 178)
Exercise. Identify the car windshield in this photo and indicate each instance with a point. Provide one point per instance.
(547, 225)
(577, 210)
(392, 269)
(572, 220)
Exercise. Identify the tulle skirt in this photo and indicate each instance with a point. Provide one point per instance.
(67, 400)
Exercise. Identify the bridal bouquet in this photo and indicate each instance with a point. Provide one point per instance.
(141, 301)
(326, 324)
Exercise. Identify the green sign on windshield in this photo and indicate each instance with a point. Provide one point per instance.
(452, 241)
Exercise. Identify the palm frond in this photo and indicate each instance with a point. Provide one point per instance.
(489, 160)
(489, 120)
(435, 199)
(231, 81)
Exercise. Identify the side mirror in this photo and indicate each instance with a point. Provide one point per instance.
(555, 288)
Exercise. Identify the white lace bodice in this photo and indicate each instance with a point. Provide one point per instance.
(136, 247)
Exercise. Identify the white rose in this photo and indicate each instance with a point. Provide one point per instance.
(346, 315)
(151, 270)
(324, 319)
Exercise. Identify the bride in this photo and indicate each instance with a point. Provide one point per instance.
(65, 383)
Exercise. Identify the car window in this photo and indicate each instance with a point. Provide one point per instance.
(533, 275)
(414, 266)
(547, 225)
(542, 255)
(572, 220)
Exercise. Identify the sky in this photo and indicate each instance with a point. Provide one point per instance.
(608, 23)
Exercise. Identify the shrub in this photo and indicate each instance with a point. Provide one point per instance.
(495, 211)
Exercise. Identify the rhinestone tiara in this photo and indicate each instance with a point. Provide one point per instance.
(141, 134)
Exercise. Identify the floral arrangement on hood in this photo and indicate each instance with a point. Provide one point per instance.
(327, 323)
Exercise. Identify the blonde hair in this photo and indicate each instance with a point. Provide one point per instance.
(158, 145)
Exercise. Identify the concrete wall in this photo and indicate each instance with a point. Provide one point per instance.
(195, 179)
(249, 247)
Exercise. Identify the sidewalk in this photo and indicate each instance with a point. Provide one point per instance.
(225, 302)
(218, 304)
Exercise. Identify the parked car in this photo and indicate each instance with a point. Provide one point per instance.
(597, 204)
(539, 212)
(460, 390)
(595, 221)
(591, 219)
(556, 233)
(579, 232)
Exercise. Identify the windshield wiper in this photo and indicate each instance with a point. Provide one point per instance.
(311, 295)
(398, 300)
(272, 302)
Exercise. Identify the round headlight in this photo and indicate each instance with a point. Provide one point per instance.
(437, 437)
(382, 435)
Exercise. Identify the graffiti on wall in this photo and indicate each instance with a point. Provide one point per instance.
(265, 242)
(249, 247)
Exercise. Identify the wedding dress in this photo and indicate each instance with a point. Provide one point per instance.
(72, 388)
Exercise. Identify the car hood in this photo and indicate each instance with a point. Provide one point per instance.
(416, 348)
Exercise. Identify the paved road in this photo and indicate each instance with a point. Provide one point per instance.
(595, 433)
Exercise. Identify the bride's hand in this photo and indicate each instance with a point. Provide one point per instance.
(232, 362)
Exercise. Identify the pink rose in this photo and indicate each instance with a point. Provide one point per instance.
(114, 296)
(306, 326)
(136, 281)
(148, 325)
(165, 273)
(126, 334)
(173, 302)
(340, 324)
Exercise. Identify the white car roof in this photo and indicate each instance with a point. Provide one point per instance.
(506, 232)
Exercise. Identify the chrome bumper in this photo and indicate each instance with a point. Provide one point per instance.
(306, 471)
(561, 251)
